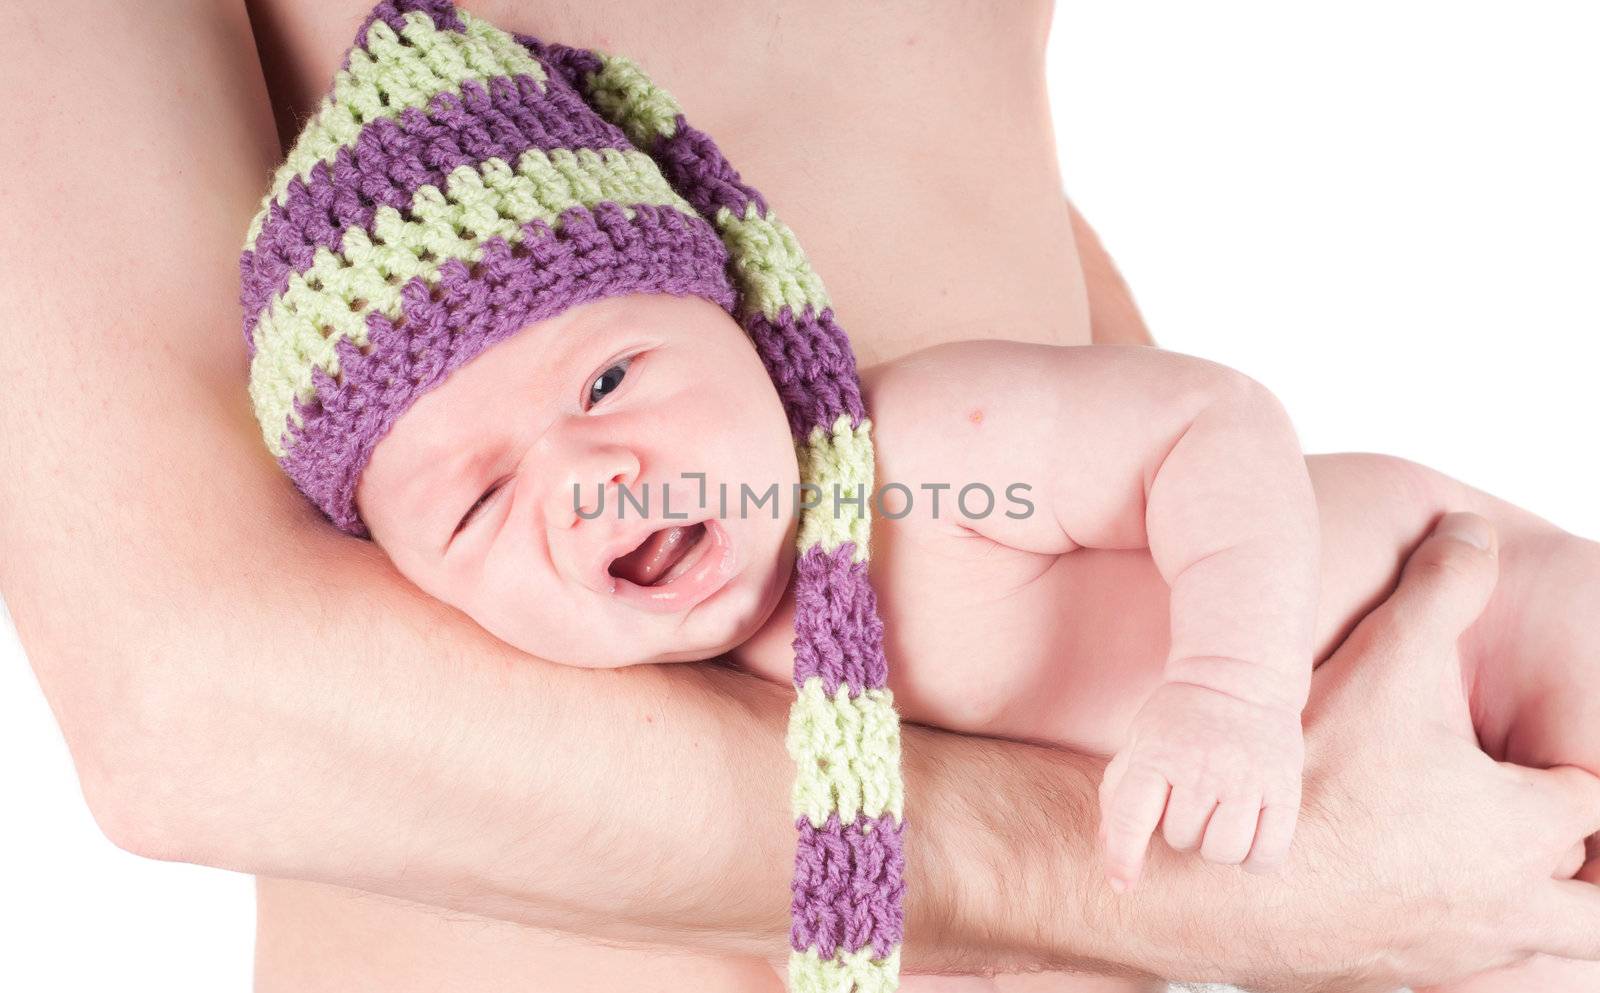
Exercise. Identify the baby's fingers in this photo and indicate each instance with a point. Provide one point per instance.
(1231, 831)
(1128, 821)
(1184, 823)
(1274, 832)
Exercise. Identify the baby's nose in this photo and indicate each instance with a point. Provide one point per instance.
(593, 486)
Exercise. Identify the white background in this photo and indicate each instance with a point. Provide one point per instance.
(1388, 212)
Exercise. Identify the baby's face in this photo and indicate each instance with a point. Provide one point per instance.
(471, 493)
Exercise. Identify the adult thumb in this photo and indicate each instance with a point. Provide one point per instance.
(1446, 583)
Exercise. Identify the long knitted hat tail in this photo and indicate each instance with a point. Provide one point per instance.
(460, 183)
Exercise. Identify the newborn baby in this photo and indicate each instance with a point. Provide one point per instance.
(1144, 483)
(516, 320)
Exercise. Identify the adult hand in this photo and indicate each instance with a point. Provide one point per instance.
(1420, 859)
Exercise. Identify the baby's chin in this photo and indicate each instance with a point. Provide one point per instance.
(734, 616)
(736, 619)
(711, 629)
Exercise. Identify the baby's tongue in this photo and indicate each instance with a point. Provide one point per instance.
(649, 562)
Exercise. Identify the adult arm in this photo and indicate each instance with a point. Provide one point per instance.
(1114, 318)
(243, 687)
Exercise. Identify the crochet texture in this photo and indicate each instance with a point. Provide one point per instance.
(459, 183)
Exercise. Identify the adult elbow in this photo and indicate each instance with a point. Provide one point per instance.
(124, 821)
(127, 717)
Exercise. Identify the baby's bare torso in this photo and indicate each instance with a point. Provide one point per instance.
(986, 639)
(1063, 649)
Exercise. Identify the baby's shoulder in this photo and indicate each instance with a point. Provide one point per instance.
(938, 417)
(926, 407)
(909, 400)
(934, 367)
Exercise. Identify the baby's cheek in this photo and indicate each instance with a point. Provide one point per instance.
(727, 448)
(513, 609)
(491, 600)
(536, 613)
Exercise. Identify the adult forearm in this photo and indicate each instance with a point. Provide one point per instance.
(355, 732)
(358, 733)
(242, 686)
(1114, 318)
(226, 708)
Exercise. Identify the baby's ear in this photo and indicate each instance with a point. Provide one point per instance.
(363, 494)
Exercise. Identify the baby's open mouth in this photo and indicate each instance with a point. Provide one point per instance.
(662, 557)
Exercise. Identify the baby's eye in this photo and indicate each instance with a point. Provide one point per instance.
(471, 513)
(607, 381)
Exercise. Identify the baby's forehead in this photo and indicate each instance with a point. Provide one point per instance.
(528, 369)
(659, 309)
(686, 321)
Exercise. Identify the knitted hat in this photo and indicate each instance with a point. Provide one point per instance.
(461, 183)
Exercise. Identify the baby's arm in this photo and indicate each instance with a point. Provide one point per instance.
(1128, 447)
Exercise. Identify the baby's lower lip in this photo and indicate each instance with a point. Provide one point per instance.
(698, 582)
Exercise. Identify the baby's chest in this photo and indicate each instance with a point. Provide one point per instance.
(967, 622)
(988, 639)
(985, 639)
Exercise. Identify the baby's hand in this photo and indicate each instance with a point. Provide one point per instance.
(1232, 770)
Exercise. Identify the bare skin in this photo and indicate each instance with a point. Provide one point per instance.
(240, 686)
(839, 179)
(864, 225)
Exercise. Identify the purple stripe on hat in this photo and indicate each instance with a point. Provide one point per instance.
(838, 634)
(443, 13)
(588, 256)
(393, 158)
(574, 64)
(689, 159)
(848, 884)
(696, 168)
(811, 364)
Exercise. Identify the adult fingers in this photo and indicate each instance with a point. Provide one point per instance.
(1571, 864)
(1231, 831)
(1445, 585)
(1130, 821)
(1567, 922)
(1184, 823)
(1572, 801)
